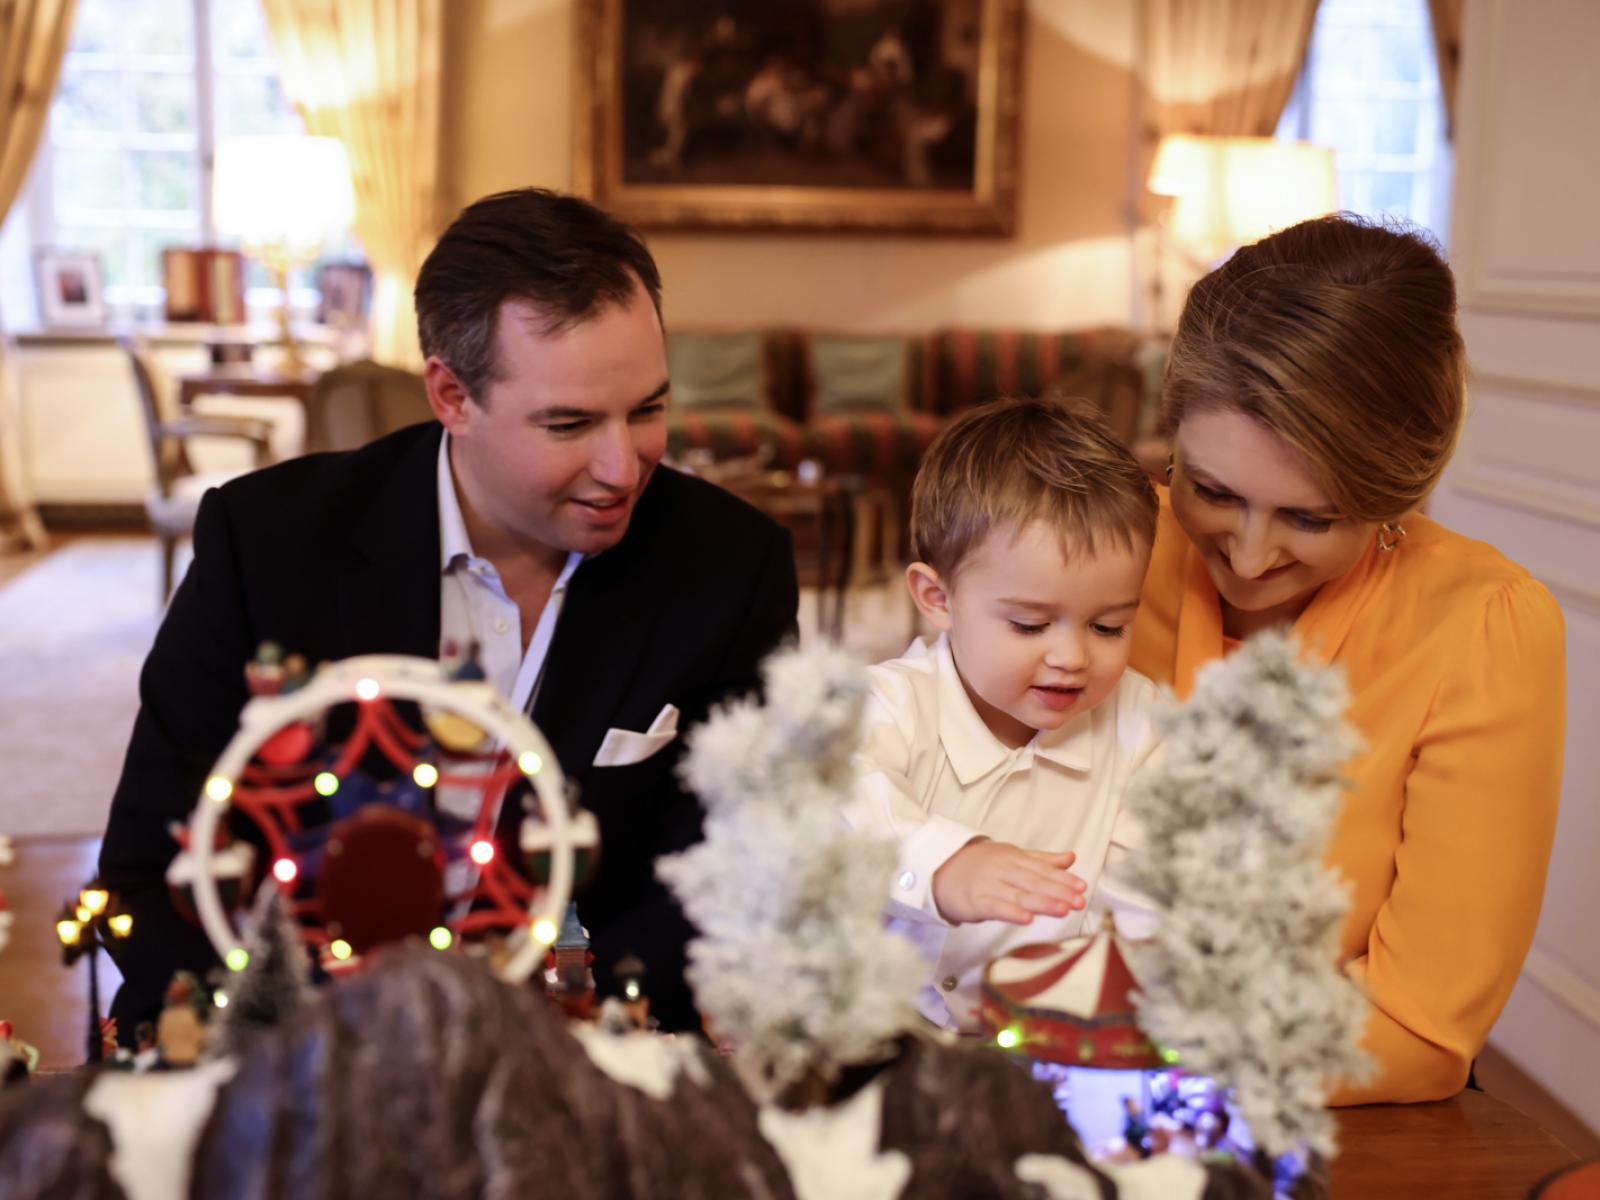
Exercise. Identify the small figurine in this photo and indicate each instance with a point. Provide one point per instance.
(630, 974)
(18, 1060)
(567, 976)
(1135, 1130)
(181, 1029)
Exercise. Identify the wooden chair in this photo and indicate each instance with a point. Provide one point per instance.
(174, 500)
(352, 404)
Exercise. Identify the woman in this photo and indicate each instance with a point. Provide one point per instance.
(1314, 394)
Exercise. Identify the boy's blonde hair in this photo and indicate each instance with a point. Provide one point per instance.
(1008, 463)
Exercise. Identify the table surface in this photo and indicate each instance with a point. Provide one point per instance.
(1472, 1147)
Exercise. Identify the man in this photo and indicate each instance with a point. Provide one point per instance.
(533, 519)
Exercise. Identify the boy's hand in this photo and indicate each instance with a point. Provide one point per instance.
(996, 881)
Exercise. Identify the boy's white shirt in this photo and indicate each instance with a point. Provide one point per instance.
(930, 776)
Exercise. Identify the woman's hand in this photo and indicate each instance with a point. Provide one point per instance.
(996, 881)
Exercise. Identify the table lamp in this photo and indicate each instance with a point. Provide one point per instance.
(284, 197)
(1229, 191)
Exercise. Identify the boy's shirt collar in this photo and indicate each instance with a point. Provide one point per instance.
(974, 751)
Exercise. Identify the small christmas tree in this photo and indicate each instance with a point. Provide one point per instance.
(793, 965)
(275, 982)
(1241, 979)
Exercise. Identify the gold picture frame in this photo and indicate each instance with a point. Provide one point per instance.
(881, 116)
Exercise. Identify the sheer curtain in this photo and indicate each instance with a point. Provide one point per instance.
(369, 72)
(33, 41)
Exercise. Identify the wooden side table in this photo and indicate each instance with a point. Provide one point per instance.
(829, 504)
(246, 379)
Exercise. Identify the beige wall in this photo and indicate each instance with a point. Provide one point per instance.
(1526, 253)
(510, 122)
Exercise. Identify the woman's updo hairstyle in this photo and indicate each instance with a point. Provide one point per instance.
(1340, 336)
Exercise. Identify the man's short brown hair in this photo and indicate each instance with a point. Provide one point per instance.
(1006, 464)
(559, 253)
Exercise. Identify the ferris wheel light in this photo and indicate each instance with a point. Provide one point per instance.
(340, 949)
(237, 959)
(440, 937)
(367, 689)
(326, 783)
(219, 998)
(219, 789)
(544, 931)
(529, 763)
(482, 852)
(426, 775)
(285, 870)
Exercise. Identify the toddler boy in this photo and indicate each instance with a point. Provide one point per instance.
(996, 753)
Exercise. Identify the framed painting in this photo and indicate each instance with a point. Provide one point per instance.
(71, 288)
(871, 115)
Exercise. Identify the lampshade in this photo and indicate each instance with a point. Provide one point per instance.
(292, 191)
(1233, 190)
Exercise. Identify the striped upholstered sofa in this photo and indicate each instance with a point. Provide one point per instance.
(869, 405)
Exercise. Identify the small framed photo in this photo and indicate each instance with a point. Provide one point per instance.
(345, 294)
(71, 288)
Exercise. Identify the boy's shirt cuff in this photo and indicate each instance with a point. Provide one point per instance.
(921, 854)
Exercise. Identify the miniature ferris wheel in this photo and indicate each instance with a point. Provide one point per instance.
(376, 788)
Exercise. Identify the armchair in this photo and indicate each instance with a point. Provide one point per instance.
(174, 499)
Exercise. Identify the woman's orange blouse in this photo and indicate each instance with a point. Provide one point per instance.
(1457, 670)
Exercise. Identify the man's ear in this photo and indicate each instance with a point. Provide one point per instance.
(446, 395)
(929, 594)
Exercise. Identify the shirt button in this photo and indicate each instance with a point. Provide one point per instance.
(907, 880)
(501, 627)
(949, 983)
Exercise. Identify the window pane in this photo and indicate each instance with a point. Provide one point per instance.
(255, 103)
(1395, 126)
(1400, 55)
(1340, 59)
(87, 100)
(163, 103)
(1391, 191)
(239, 30)
(166, 179)
(1342, 124)
(87, 179)
(97, 26)
(157, 27)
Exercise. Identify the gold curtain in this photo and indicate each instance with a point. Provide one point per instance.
(1223, 67)
(369, 72)
(33, 41)
(1447, 20)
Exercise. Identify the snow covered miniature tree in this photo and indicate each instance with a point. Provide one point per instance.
(275, 982)
(1241, 979)
(793, 965)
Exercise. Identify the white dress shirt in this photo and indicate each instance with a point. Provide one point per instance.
(931, 777)
(474, 605)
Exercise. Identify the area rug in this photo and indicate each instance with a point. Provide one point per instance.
(74, 630)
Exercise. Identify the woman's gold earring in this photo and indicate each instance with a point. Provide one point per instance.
(1169, 468)
(1390, 534)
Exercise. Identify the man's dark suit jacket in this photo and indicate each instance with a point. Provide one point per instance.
(334, 555)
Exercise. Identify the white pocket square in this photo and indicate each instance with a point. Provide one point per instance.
(624, 747)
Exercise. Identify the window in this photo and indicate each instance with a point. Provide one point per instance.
(1370, 89)
(146, 91)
